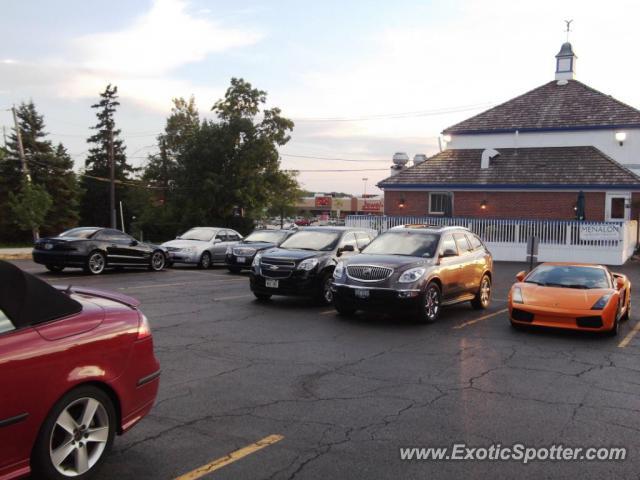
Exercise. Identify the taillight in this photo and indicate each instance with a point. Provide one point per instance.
(144, 329)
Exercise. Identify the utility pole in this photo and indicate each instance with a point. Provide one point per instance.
(112, 178)
(165, 170)
(23, 162)
(4, 135)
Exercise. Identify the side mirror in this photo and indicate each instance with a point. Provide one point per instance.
(449, 252)
(620, 283)
(520, 275)
(133, 243)
(346, 248)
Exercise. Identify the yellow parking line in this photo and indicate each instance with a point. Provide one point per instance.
(471, 322)
(327, 312)
(626, 340)
(230, 458)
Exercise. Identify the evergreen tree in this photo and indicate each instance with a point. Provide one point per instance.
(95, 204)
(50, 168)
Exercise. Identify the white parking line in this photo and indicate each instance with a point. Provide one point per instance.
(160, 285)
(626, 340)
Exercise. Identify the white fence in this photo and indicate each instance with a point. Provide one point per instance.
(610, 243)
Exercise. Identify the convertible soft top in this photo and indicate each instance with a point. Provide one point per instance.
(27, 300)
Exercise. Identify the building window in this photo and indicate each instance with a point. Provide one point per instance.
(440, 203)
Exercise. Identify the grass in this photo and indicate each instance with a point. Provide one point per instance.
(16, 244)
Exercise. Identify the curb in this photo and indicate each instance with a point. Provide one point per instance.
(15, 256)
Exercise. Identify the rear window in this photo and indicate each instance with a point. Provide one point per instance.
(5, 323)
(79, 232)
(569, 276)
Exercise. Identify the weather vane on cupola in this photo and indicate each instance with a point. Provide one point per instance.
(568, 22)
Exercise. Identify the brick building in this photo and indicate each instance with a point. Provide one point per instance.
(561, 151)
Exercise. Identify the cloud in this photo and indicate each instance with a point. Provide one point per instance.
(161, 40)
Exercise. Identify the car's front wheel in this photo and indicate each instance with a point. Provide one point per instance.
(55, 268)
(430, 304)
(158, 261)
(325, 294)
(205, 260)
(76, 435)
(96, 263)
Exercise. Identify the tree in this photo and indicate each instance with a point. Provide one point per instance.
(30, 206)
(49, 167)
(95, 204)
(233, 163)
(286, 193)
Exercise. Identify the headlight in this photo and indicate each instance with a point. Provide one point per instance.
(256, 260)
(516, 295)
(339, 270)
(229, 250)
(602, 302)
(189, 249)
(308, 264)
(412, 275)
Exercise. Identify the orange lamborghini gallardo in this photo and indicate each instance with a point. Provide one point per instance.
(573, 296)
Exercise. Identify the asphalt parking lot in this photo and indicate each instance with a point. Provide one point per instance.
(346, 394)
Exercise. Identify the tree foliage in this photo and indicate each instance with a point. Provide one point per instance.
(29, 206)
(50, 167)
(95, 205)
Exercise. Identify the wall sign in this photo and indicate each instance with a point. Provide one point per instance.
(600, 232)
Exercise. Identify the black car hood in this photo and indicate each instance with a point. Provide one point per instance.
(291, 254)
(391, 261)
(27, 300)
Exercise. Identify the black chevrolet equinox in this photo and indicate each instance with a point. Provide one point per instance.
(304, 263)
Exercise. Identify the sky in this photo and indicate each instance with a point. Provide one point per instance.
(360, 79)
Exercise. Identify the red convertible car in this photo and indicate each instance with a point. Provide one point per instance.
(76, 367)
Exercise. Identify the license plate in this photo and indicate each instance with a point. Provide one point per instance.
(241, 259)
(48, 246)
(271, 283)
(362, 293)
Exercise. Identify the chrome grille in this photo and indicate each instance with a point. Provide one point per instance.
(368, 273)
(276, 268)
(243, 251)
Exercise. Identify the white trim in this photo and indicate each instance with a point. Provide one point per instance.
(449, 188)
(627, 206)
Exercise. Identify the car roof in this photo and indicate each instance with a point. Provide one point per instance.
(335, 228)
(574, 264)
(429, 228)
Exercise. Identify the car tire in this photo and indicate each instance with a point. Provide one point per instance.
(54, 268)
(96, 263)
(343, 309)
(262, 297)
(63, 429)
(234, 269)
(205, 260)
(158, 261)
(482, 300)
(430, 303)
(324, 296)
(626, 314)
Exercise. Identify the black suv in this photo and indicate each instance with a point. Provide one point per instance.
(240, 255)
(304, 263)
(415, 270)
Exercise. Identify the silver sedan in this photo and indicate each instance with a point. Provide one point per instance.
(202, 246)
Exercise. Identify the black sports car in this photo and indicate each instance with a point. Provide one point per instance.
(94, 249)
(240, 255)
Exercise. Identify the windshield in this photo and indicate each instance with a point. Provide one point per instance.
(201, 234)
(312, 240)
(413, 244)
(79, 232)
(569, 276)
(273, 236)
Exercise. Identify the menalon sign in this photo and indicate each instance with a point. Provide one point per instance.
(600, 232)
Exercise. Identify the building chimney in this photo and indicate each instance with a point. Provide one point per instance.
(400, 160)
(487, 155)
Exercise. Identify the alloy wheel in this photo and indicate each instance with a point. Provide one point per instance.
(157, 261)
(79, 437)
(205, 260)
(96, 263)
(485, 291)
(432, 303)
(327, 293)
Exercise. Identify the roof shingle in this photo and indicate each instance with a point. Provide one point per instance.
(583, 166)
(552, 107)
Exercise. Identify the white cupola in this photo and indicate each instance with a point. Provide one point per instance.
(566, 63)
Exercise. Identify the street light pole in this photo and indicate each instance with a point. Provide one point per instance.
(364, 195)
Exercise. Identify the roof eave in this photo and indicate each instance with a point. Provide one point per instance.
(451, 131)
